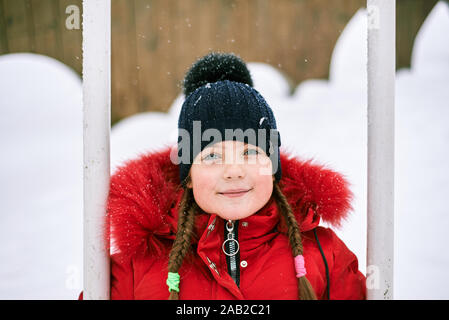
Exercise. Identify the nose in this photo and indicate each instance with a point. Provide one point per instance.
(233, 171)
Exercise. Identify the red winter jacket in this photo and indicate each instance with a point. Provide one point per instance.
(142, 212)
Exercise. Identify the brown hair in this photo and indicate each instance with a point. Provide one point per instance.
(186, 220)
(305, 289)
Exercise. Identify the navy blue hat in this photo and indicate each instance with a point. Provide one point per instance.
(220, 96)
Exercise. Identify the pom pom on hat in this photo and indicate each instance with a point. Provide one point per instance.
(216, 67)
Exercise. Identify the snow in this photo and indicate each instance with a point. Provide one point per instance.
(41, 178)
(41, 130)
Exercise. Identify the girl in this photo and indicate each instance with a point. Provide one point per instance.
(231, 218)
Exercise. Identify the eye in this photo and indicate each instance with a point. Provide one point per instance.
(212, 156)
(251, 152)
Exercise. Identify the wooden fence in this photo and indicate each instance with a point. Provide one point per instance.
(155, 41)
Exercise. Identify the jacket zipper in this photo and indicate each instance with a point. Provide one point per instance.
(233, 258)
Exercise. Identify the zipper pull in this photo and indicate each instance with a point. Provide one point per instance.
(230, 229)
(211, 227)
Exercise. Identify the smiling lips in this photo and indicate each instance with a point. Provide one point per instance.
(233, 193)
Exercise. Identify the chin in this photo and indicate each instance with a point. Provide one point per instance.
(233, 215)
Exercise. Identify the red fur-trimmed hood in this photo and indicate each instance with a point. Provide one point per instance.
(144, 193)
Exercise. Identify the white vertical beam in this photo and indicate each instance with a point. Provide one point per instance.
(381, 95)
(96, 133)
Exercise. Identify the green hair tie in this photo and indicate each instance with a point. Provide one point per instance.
(173, 281)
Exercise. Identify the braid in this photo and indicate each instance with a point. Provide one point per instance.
(305, 290)
(181, 245)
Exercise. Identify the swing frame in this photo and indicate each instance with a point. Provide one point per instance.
(96, 150)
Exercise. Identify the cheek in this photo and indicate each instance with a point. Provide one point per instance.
(203, 187)
(199, 175)
(261, 174)
(264, 185)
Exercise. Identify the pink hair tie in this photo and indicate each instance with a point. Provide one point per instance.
(299, 266)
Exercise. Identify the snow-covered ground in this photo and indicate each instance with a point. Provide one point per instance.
(41, 178)
(41, 163)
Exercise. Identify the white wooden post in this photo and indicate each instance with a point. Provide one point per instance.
(381, 95)
(96, 133)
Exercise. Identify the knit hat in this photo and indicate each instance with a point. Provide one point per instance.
(221, 104)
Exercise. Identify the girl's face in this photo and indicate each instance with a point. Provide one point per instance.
(231, 179)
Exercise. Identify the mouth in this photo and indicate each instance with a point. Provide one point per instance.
(234, 193)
